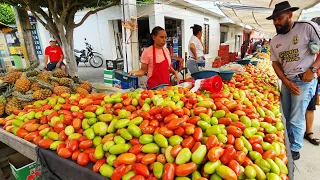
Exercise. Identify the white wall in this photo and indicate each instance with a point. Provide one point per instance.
(233, 31)
(98, 30)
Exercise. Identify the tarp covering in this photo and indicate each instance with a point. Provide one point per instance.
(254, 12)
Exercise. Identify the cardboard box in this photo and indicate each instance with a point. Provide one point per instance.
(24, 168)
(108, 74)
(108, 82)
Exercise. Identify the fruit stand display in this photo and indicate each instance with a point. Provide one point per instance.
(167, 133)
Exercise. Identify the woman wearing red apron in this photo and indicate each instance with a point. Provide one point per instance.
(155, 60)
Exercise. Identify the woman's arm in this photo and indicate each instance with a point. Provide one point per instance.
(141, 72)
(194, 51)
(175, 73)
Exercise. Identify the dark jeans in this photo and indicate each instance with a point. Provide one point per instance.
(51, 66)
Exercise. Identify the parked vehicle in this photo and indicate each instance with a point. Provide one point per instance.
(88, 55)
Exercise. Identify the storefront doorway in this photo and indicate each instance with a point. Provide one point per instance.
(143, 33)
(174, 36)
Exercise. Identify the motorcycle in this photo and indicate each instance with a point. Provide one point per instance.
(88, 55)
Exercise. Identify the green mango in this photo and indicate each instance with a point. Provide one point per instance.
(99, 153)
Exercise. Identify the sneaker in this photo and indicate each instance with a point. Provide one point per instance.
(295, 155)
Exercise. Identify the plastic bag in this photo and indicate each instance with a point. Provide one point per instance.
(237, 68)
(314, 47)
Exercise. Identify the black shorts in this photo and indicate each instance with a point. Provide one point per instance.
(51, 66)
(313, 101)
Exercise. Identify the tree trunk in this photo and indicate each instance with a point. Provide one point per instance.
(68, 48)
(27, 41)
(66, 38)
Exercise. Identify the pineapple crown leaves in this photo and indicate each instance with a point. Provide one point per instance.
(9, 91)
(32, 79)
(22, 97)
(24, 74)
(3, 99)
(45, 85)
(54, 79)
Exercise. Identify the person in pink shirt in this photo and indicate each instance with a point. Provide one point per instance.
(156, 61)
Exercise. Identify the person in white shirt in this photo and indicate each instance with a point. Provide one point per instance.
(195, 49)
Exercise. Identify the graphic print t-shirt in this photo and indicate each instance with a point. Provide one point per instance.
(292, 49)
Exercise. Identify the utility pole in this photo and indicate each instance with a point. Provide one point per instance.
(25, 36)
(130, 35)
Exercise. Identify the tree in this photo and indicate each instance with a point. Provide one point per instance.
(6, 14)
(58, 19)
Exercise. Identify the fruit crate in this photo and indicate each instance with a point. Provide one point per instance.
(127, 81)
(23, 168)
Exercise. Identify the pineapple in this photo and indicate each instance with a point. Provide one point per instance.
(12, 77)
(60, 90)
(42, 94)
(22, 84)
(55, 83)
(35, 86)
(66, 82)
(59, 73)
(12, 106)
(86, 85)
(45, 76)
(2, 105)
(80, 90)
(24, 104)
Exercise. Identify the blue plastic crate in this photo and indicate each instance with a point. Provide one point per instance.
(202, 64)
(127, 82)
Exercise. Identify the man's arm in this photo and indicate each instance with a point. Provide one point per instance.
(46, 58)
(61, 59)
(277, 68)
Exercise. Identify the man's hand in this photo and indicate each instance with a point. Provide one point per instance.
(307, 76)
(44, 67)
(293, 87)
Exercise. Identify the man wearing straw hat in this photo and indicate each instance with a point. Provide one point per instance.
(296, 67)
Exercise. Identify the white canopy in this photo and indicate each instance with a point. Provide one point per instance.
(254, 12)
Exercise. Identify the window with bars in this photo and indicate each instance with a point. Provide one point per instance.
(205, 35)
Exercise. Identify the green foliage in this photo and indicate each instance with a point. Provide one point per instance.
(6, 14)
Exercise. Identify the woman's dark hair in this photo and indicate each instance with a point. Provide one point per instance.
(154, 32)
(196, 29)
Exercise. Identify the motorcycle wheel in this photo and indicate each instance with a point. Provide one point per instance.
(96, 61)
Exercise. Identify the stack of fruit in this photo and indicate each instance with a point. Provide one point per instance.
(24, 87)
(165, 134)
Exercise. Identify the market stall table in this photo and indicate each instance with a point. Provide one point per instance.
(53, 166)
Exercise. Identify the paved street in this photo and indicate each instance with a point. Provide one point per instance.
(94, 75)
(308, 166)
